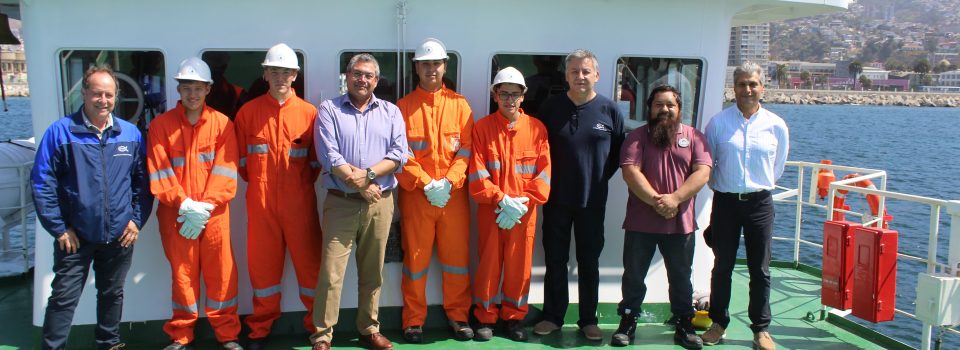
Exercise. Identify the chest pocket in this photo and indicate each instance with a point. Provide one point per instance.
(298, 155)
(206, 153)
(451, 143)
(258, 153)
(526, 164)
(178, 158)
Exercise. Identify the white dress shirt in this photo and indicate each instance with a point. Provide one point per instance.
(749, 154)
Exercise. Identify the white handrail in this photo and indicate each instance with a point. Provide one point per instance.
(796, 196)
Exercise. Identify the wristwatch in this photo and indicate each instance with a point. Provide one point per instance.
(371, 175)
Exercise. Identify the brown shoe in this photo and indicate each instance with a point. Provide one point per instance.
(321, 345)
(763, 341)
(376, 341)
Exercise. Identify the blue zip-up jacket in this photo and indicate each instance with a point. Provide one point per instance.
(94, 186)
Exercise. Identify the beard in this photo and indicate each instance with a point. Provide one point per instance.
(663, 129)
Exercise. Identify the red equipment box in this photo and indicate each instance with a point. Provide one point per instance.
(837, 277)
(875, 273)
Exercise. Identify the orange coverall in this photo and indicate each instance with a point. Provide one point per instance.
(279, 162)
(200, 162)
(439, 128)
(516, 162)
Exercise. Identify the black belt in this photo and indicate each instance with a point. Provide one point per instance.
(341, 194)
(743, 197)
(355, 195)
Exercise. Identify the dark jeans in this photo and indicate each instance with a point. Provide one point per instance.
(587, 225)
(677, 252)
(110, 265)
(754, 216)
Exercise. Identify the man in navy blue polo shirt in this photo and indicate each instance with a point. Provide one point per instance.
(92, 195)
(585, 131)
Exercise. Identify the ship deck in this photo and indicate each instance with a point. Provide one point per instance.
(795, 297)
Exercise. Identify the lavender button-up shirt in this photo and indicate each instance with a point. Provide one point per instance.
(344, 135)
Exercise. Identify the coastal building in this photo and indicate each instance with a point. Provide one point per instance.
(749, 43)
(819, 72)
(950, 78)
(14, 66)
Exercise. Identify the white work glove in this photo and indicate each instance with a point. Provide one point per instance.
(505, 220)
(516, 207)
(438, 192)
(194, 216)
(189, 229)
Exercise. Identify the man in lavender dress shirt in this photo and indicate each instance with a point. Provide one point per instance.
(361, 142)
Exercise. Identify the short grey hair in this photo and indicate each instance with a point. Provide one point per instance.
(750, 68)
(364, 57)
(581, 54)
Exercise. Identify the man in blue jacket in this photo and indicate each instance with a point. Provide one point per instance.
(92, 195)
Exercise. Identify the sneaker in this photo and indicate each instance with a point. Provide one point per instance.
(763, 341)
(413, 334)
(461, 330)
(625, 333)
(686, 336)
(515, 331)
(592, 332)
(231, 345)
(177, 346)
(484, 332)
(545, 328)
(714, 335)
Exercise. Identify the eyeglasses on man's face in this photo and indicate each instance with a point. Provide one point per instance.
(509, 97)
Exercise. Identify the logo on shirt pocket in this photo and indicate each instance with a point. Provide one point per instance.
(601, 127)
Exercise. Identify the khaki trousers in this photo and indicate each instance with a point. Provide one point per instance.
(349, 223)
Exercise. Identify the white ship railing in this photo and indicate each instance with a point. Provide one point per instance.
(803, 197)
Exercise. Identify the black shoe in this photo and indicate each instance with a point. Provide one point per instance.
(625, 333)
(413, 334)
(461, 330)
(231, 345)
(257, 344)
(484, 332)
(515, 331)
(177, 346)
(686, 336)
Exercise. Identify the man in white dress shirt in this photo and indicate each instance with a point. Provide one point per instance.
(749, 146)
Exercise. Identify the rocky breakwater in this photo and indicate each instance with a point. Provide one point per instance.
(877, 98)
(17, 89)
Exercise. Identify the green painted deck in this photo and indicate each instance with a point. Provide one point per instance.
(795, 293)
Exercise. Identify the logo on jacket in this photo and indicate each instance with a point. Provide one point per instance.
(123, 151)
(601, 127)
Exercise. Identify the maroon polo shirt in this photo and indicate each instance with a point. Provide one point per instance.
(665, 169)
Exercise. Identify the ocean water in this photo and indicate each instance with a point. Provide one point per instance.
(917, 147)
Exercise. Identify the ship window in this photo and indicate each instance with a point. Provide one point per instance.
(388, 88)
(636, 76)
(238, 78)
(140, 75)
(542, 73)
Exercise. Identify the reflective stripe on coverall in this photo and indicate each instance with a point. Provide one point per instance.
(200, 162)
(516, 162)
(439, 128)
(278, 161)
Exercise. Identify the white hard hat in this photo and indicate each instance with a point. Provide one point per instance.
(194, 68)
(430, 49)
(509, 75)
(281, 55)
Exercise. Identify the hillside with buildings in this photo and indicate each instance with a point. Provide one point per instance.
(892, 45)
